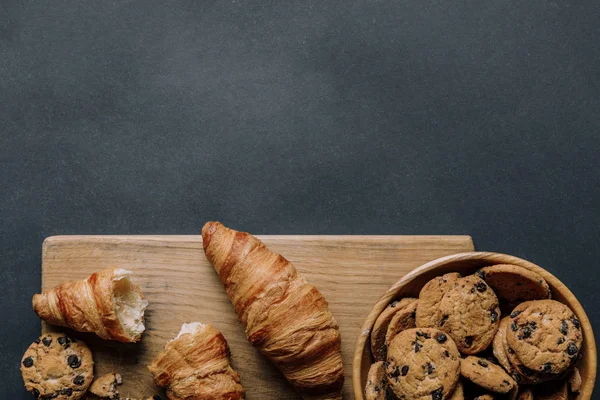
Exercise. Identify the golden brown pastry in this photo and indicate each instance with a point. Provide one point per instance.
(286, 318)
(195, 366)
(107, 303)
(106, 386)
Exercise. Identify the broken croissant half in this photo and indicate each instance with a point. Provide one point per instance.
(195, 365)
(108, 303)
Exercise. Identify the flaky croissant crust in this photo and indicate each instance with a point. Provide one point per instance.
(86, 306)
(285, 317)
(195, 366)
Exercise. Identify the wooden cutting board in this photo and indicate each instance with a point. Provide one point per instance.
(181, 286)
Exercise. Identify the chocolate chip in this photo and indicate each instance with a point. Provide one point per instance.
(494, 315)
(560, 340)
(404, 370)
(64, 341)
(511, 351)
(446, 353)
(394, 304)
(395, 372)
(547, 367)
(74, 361)
(78, 380)
(36, 393)
(377, 389)
(28, 362)
(575, 322)
(526, 332)
(572, 349)
(444, 319)
(506, 383)
(413, 314)
(533, 325)
(480, 274)
(514, 327)
(37, 341)
(481, 286)
(66, 391)
(428, 367)
(564, 328)
(441, 337)
(423, 334)
(47, 341)
(482, 363)
(437, 394)
(418, 347)
(469, 341)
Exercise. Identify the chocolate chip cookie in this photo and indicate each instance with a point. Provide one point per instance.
(377, 383)
(56, 366)
(545, 335)
(515, 284)
(486, 374)
(458, 393)
(470, 314)
(525, 394)
(428, 311)
(402, 320)
(106, 386)
(378, 346)
(575, 380)
(423, 363)
(499, 345)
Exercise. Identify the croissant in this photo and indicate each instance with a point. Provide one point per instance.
(195, 366)
(107, 303)
(286, 318)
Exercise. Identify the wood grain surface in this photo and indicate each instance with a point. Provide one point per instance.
(181, 286)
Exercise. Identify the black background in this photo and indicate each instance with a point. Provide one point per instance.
(322, 117)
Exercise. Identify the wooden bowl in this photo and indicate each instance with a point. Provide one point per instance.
(467, 263)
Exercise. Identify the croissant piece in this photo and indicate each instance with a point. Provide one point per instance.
(108, 303)
(195, 366)
(286, 318)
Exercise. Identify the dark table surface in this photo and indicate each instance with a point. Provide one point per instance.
(328, 117)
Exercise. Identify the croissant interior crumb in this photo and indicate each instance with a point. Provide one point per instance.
(192, 328)
(129, 305)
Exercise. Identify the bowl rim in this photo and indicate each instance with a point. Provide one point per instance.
(492, 258)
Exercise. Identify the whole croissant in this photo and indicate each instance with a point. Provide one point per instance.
(107, 303)
(286, 318)
(195, 366)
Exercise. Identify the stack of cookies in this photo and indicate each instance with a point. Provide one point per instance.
(494, 334)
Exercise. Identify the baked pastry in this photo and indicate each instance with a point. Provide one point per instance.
(56, 366)
(499, 346)
(458, 393)
(525, 394)
(470, 313)
(285, 317)
(545, 335)
(195, 365)
(486, 374)
(379, 331)
(428, 313)
(108, 303)
(402, 320)
(422, 363)
(515, 284)
(106, 386)
(575, 380)
(377, 383)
